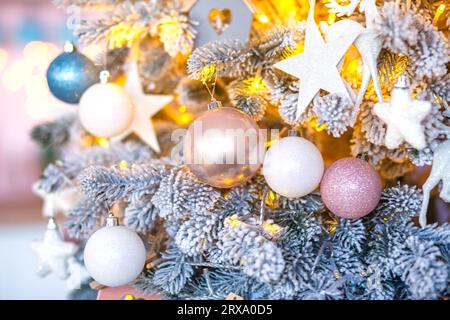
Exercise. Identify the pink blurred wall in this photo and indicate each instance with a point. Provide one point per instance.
(19, 156)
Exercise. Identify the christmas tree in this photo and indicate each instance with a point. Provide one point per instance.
(348, 98)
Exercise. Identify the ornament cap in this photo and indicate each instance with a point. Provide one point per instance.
(111, 220)
(104, 76)
(52, 224)
(69, 47)
(214, 104)
(403, 82)
(292, 133)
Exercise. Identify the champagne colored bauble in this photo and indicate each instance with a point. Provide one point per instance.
(114, 256)
(70, 75)
(106, 110)
(223, 148)
(351, 188)
(293, 167)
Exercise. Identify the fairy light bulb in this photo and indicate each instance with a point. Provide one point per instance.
(262, 18)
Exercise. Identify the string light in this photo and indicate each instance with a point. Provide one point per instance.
(262, 18)
(207, 72)
(182, 109)
(331, 18)
(439, 11)
(314, 124)
(103, 142)
(169, 30)
(255, 84)
(233, 221)
(122, 35)
(270, 228)
(123, 165)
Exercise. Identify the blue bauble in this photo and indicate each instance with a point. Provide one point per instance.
(69, 76)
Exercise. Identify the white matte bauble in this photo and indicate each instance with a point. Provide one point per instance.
(114, 256)
(293, 167)
(106, 110)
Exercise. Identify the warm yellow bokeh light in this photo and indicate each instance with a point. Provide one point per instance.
(16, 75)
(35, 53)
(3, 59)
(36, 87)
(38, 107)
(182, 109)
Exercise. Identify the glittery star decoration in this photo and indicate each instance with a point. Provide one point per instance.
(146, 106)
(316, 66)
(56, 202)
(53, 252)
(403, 117)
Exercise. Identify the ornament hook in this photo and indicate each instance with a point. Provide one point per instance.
(111, 220)
(69, 47)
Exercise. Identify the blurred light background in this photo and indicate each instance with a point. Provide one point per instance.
(32, 33)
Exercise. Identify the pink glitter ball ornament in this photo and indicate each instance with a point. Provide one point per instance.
(351, 188)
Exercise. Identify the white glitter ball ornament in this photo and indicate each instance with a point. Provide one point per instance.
(114, 255)
(106, 109)
(293, 167)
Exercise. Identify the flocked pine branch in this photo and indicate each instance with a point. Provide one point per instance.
(66, 170)
(406, 32)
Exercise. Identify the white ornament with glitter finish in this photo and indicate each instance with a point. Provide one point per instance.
(403, 117)
(316, 67)
(114, 255)
(368, 43)
(439, 172)
(147, 105)
(53, 252)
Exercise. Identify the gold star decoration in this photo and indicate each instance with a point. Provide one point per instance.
(316, 66)
(53, 253)
(146, 105)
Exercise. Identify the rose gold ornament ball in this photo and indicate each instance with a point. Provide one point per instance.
(351, 188)
(222, 147)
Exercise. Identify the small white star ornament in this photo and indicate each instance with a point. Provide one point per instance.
(146, 105)
(316, 67)
(439, 172)
(53, 253)
(57, 202)
(403, 117)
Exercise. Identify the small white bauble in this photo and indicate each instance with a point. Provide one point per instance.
(114, 256)
(293, 167)
(106, 110)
